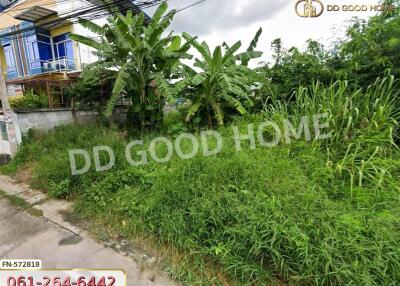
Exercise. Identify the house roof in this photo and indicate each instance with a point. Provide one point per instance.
(27, 10)
(7, 16)
(35, 14)
(56, 21)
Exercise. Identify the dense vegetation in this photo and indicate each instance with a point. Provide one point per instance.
(368, 50)
(30, 100)
(143, 58)
(322, 213)
(306, 213)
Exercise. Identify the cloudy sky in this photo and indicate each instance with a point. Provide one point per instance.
(231, 20)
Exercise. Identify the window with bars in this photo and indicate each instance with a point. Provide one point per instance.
(33, 51)
(10, 59)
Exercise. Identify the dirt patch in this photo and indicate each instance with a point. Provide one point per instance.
(24, 175)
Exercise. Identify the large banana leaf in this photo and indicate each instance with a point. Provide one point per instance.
(119, 86)
(201, 48)
(223, 84)
(91, 26)
(86, 41)
(230, 51)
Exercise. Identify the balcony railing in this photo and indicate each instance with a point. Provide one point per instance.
(59, 65)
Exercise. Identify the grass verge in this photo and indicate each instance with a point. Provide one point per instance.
(21, 204)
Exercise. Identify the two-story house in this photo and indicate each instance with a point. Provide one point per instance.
(34, 35)
(36, 51)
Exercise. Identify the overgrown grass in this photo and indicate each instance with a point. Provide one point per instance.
(365, 125)
(46, 155)
(321, 213)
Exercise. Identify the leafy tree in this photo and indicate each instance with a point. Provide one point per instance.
(141, 59)
(92, 89)
(276, 46)
(223, 85)
(371, 47)
(293, 67)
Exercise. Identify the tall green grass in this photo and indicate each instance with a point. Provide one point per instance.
(365, 126)
(45, 156)
(319, 213)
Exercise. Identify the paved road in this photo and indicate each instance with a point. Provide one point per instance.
(23, 235)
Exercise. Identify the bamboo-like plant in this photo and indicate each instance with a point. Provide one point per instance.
(363, 122)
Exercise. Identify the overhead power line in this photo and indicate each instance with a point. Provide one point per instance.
(191, 5)
(46, 3)
(42, 3)
(91, 14)
(66, 16)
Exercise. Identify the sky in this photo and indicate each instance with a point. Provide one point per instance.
(216, 21)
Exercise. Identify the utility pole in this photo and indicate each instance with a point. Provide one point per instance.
(8, 119)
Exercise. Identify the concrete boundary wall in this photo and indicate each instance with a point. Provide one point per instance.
(47, 119)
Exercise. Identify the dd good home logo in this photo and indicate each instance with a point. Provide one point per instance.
(309, 8)
(315, 8)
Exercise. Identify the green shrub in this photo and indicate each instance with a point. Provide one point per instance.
(29, 101)
(174, 123)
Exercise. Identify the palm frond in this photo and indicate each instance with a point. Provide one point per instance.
(254, 42)
(192, 111)
(188, 70)
(119, 86)
(200, 64)
(91, 26)
(199, 78)
(219, 116)
(162, 8)
(86, 41)
(201, 48)
(234, 102)
(175, 44)
(163, 86)
(238, 92)
(247, 56)
(252, 46)
(217, 58)
(229, 53)
(158, 30)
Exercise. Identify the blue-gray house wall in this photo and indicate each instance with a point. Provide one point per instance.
(30, 51)
(11, 53)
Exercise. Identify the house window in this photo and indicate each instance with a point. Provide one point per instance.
(3, 131)
(10, 59)
(33, 51)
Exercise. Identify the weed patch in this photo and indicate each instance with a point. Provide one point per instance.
(21, 203)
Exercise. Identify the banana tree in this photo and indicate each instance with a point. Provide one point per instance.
(142, 59)
(223, 85)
